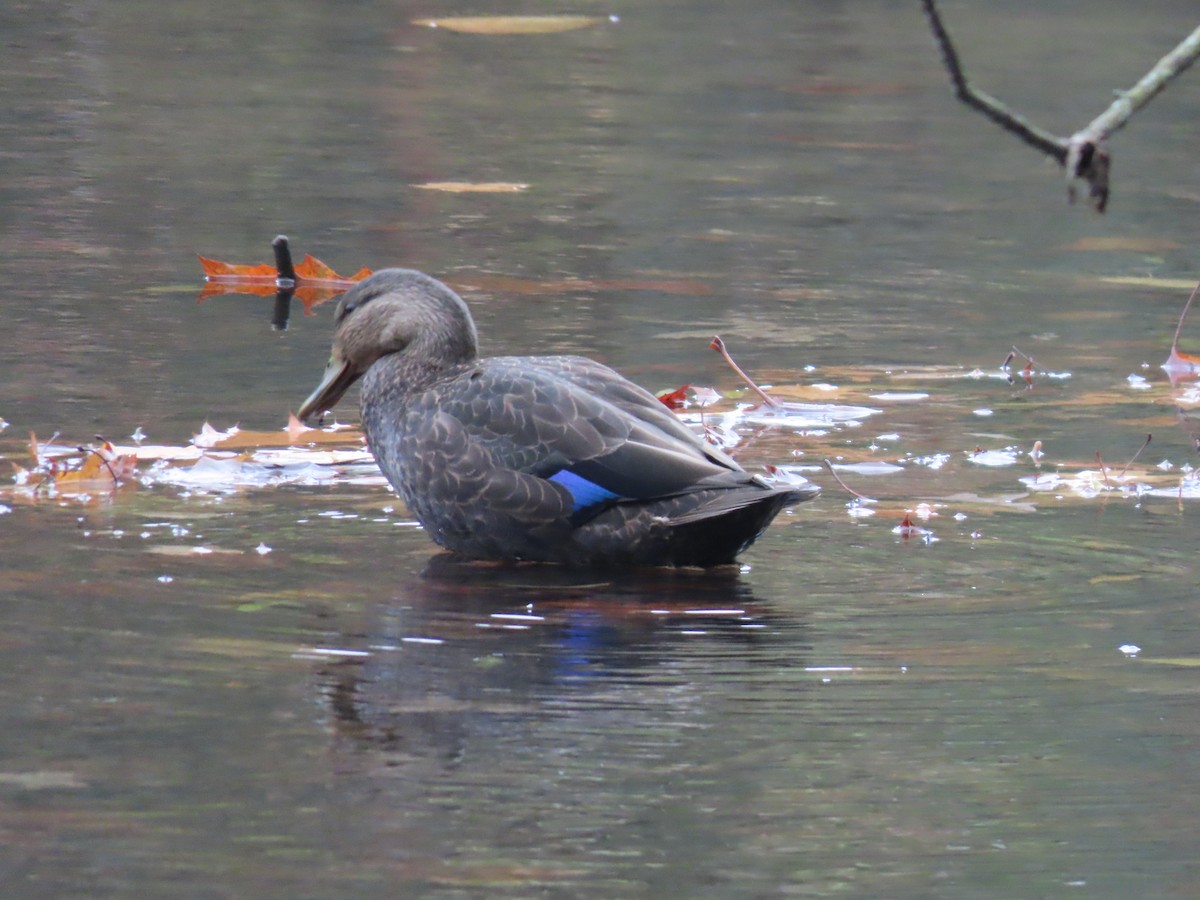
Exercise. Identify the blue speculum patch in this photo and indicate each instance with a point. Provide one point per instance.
(586, 493)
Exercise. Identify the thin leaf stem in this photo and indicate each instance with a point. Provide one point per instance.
(719, 345)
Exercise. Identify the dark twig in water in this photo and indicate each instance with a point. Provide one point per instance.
(1017, 351)
(846, 487)
(1103, 469)
(102, 458)
(285, 283)
(1082, 155)
(1145, 444)
(1027, 372)
(285, 271)
(719, 345)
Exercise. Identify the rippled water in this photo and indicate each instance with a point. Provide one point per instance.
(257, 676)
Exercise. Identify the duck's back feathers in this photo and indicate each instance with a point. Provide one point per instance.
(558, 458)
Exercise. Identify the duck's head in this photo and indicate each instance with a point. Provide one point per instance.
(393, 311)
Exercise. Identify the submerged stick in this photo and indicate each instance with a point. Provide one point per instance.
(1145, 444)
(284, 269)
(846, 487)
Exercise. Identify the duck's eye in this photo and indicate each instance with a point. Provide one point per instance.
(349, 306)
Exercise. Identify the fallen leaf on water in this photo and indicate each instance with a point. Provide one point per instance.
(1138, 245)
(182, 550)
(210, 437)
(42, 780)
(674, 399)
(1181, 365)
(510, 24)
(295, 434)
(1189, 662)
(310, 270)
(215, 270)
(474, 187)
(1114, 579)
(101, 470)
(312, 281)
(1171, 284)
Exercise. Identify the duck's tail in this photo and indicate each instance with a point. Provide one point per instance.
(716, 531)
(769, 500)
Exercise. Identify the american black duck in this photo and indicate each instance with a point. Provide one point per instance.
(549, 458)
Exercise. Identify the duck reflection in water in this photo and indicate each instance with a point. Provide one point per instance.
(469, 658)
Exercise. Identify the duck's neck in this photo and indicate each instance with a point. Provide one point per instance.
(430, 358)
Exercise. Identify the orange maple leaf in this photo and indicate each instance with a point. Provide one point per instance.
(219, 272)
(102, 469)
(312, 270)
(312, 281)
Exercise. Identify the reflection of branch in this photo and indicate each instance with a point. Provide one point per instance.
(1081, 154)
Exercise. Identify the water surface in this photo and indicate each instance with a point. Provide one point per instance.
(316, 704)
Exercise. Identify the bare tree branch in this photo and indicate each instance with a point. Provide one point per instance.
(1010, 121)
(1082, 155)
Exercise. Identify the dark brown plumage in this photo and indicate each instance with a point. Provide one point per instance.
(550, 458)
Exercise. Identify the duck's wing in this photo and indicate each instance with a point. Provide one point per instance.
(582, 427)
(633, 399)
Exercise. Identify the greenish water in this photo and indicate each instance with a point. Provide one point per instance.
(317, 705)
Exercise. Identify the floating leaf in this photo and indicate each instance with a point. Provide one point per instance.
(674, 399)
(192, 550)
(1179, 364)
(101, 470)
(210, 437)
(1148, 281)
(42, 780)
(296, 433)
(230, 273)
(1138, 245)
(473, 187)
(313, 270)
(510, 24)
(312, 280)
(1187, 662)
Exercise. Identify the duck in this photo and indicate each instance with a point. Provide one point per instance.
(549, 459)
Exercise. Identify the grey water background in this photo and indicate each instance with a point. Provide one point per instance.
(347, 716)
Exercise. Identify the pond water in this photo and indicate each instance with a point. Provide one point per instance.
(274, 686)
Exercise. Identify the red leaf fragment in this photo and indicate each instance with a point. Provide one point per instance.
(675, 399)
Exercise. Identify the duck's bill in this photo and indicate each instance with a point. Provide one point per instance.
(338, 377)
